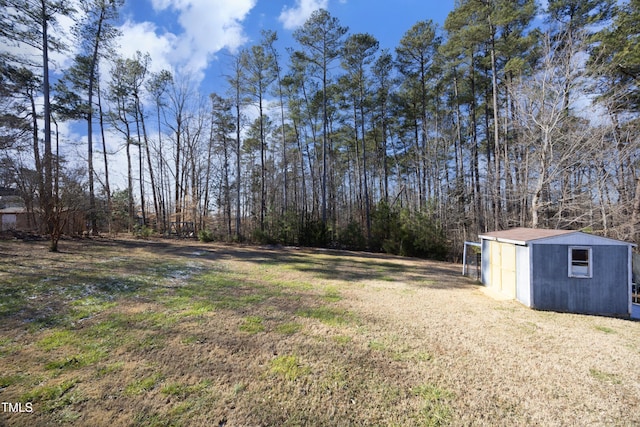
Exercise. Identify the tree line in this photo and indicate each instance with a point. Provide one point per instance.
(509, 115)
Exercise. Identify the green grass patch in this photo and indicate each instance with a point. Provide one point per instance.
(59, 338)
(218, 290)
(112, 333)
(604, 377)
(174, 389)
(47, 322)
(376, 345)
(112, 368)
(87, 350)
(148, 342)
(189, 305)
(89, 356)
(193, 339)
(88, 307)
(342, 339)
(239, 388)
(604, 329)
(181, 409)
(213, 281)
(8, 346)
(431, 392)
(155, 320)
(53, 397)
(9, 380)
(178, 303)
(289, 328)
(422, 356)
(49, 392)
(436, 411)
(288, 367)
(331, 294)
(252, 325)
(12, 299)
(143, 385)
(198, 309)
(114, 327)
(328, 315)
(291, 284)
(234, 302)
(184, 390)
(66, 363)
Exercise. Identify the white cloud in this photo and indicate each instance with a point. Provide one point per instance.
(293, 17)
(143, 37)
(208, 27)
(211, 27)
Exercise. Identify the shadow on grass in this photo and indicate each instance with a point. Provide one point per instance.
(325, 264)
(45, 290)
(355, 267)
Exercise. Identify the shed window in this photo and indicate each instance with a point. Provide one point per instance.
(580, 261)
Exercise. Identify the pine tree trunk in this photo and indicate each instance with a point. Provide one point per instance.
(107, 187)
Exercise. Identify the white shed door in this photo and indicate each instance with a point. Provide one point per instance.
(503, 267)
(8, 222)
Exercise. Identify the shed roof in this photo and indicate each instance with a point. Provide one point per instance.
(522, 236)
(13, 210)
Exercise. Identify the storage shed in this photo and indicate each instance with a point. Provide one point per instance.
(561, 270)
(13, 213)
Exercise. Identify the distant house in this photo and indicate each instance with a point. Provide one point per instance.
(561, 270)
(13, 213)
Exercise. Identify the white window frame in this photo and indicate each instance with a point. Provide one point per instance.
(589, 273)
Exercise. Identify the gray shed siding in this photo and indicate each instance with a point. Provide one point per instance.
(605, 293)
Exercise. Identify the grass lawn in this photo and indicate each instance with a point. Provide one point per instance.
(176, 333)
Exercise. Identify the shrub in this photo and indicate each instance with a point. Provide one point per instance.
(142, 231)
(262, 237)
(205, 236)
(313, 233)
(352, 237)
(400, 232)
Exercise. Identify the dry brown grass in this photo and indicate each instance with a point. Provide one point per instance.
(178, 333)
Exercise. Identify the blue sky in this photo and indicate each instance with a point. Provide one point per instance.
(193, 36)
